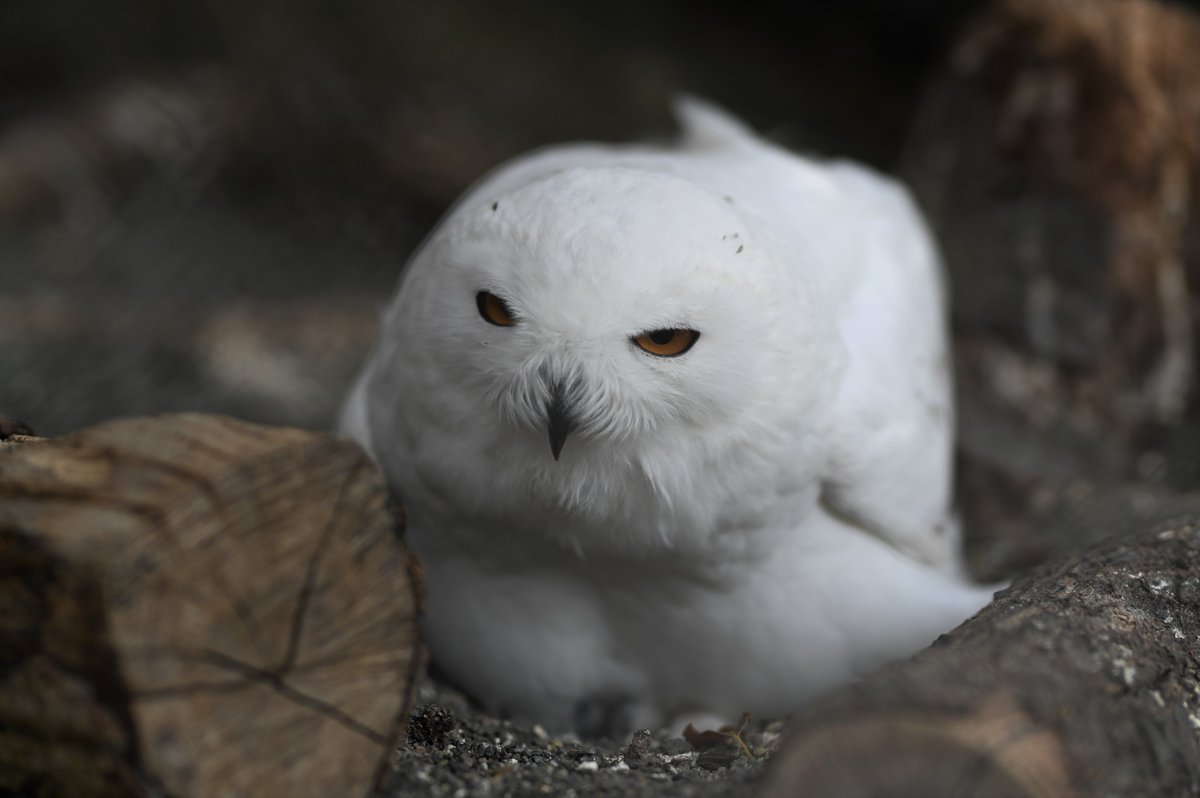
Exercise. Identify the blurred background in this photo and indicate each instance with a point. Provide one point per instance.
(202, 205)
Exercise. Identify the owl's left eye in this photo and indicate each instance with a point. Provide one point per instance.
(494, 309)
(666, 343)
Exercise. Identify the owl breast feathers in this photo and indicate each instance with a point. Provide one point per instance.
(673, 428)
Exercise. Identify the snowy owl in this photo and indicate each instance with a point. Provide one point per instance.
(673, 429)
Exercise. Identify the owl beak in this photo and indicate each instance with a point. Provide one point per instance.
(558, 418)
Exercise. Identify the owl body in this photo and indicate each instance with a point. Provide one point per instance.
(732, 527)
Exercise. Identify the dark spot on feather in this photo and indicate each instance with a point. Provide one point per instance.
(729, 199)
(495, 205)
(739, 249)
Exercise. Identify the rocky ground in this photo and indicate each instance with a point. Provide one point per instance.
(454, 750)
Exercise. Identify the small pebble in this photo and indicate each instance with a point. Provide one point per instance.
(640, 746)
(430, 725)
(590, 766)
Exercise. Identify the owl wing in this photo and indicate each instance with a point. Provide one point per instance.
(890, 469)
(857, 239)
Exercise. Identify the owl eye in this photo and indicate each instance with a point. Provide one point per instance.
(666, 343)
(494, 310)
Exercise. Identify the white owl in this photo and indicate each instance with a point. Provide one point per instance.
(673, 428)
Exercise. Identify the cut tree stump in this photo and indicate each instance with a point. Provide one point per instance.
(1082, 679)
(195, 606)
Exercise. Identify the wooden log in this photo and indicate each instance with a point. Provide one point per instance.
(1082, 679)
(196, 606)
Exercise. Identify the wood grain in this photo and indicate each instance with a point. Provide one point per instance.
(200, 606)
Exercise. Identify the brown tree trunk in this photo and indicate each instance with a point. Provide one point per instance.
(1082, 679)
(196, 606)
(1058, 158)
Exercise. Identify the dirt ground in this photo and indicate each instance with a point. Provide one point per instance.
(455, 750)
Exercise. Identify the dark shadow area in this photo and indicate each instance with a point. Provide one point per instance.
(201, 205)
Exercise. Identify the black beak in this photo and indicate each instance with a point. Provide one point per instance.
(558, 418)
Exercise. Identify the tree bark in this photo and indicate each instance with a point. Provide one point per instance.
(1058, 157)
(1082, 679)
(191, 605)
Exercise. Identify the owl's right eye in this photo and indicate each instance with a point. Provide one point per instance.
(494, 309)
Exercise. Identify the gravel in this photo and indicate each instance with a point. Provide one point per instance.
(453, 749)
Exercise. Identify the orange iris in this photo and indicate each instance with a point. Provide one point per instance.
(666, 343)
(494, 310)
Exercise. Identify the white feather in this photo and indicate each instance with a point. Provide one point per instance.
(735, 529)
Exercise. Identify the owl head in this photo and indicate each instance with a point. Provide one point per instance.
(584, 330)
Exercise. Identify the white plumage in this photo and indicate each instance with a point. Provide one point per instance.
(735, 528)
